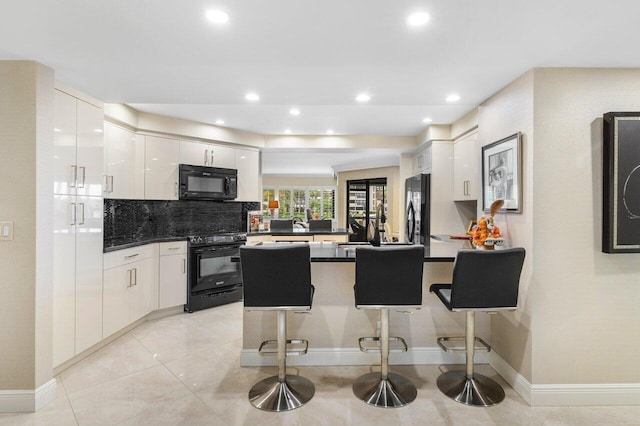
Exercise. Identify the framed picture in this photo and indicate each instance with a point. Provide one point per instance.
(621, 183)
(502, 173)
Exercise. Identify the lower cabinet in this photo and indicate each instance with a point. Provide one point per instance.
(172, 280)
(130, 287)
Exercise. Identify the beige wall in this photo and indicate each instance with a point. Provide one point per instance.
(297, 181)
(394, 193)
(507, 112)
(586, 305)
(26, 144)
(578, 306)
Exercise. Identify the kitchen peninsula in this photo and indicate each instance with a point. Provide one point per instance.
(301, 235)
(334, 324)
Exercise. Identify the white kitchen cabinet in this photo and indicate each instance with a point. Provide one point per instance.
(78, 146)
(205, 154)
(172, 277)
(78, 226)
(124, 163)
(130, 286)
(465, 168)
(422, 160)
(161, 168)
(247, 161)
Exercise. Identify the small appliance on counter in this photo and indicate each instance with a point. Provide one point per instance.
(207, 183)
(417, 189)
(213, 278)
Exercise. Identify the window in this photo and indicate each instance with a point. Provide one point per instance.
(294, 202)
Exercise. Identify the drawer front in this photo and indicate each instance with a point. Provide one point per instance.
(177, 247)
(130, 255)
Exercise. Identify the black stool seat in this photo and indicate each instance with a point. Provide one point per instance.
(387, 277)
(278, 278)
(482, 281)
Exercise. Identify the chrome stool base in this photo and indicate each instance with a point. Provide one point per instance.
(395, 391)
(272, 395)
(480, 391)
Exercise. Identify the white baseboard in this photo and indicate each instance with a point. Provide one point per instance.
(353, 356)
(27, 401)
(560, 395)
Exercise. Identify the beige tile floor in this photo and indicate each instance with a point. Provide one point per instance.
(185, 370)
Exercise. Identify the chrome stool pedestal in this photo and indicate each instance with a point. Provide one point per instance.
(283, 392)
(384, 389)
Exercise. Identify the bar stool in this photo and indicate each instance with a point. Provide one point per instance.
(387, 278)
(278, 278)
(482, 281)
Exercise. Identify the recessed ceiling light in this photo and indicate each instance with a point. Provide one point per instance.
(329, 132)
(453, 98)
(219, 122)
(294, 111)
(427, 120)
(363, 97)
(217, 16)
(252, 97)
(287, 132)
(97, 130)
(57, 130)
(418, 19)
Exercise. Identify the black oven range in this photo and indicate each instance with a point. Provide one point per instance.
(213, 279)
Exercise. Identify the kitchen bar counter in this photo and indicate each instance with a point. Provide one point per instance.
(300, 231)
(334, 324)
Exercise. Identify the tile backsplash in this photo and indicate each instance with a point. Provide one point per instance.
(127, 221)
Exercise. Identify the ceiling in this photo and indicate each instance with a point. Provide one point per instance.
(165, 57)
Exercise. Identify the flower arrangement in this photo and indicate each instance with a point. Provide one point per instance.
(486, 233)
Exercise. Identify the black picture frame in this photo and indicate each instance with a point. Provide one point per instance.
(621, 183)
(502, 173)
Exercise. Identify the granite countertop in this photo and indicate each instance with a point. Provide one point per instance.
(439, 250)
(300, 231)
(114, 244)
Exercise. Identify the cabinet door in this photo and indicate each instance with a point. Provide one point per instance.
(161, 168)
(141, 291)
(64, 144)
(465, 168)
(222, 156)
(194, 153)
(89, 241)
(116, 284)
(64, 278)
(90, 149)
(248, 165)
(172, 281)
(124, 163)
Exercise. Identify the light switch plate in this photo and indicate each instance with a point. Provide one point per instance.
(6, 231)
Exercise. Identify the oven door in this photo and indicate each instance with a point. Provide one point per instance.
(213, 269)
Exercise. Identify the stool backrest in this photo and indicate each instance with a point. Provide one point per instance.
(276, 275)
(389, 275)
(486, 279)
(320, 225)
(281, 224)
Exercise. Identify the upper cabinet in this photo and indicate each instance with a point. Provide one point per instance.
(124, 163)
(422, 160)
(248, 164)
(78, 147)
(465, 168)
(205, 154)
(161, 168)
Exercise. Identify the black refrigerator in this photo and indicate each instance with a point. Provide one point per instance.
(417, 190)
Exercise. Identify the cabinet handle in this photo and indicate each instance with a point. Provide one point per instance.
(105, 184)
(111, 185)
(130, 272)
(184, 266)
(206, 156)
(132, 255)
(82, 210)
(173, 248)
(74, 176)
(176, 185)
(84, 175)
(72, 213)
(135, 276)
(211, 163)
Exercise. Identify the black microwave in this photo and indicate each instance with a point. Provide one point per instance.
(208, 183)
